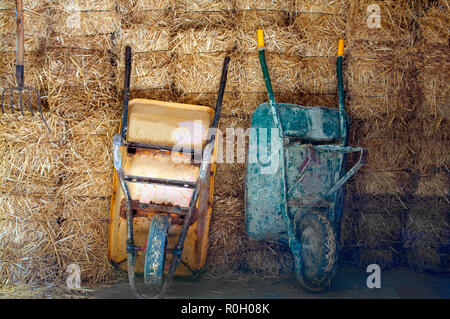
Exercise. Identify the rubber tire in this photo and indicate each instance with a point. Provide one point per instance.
(319, 252)
(155, 254)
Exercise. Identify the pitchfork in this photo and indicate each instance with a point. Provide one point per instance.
(24, 91)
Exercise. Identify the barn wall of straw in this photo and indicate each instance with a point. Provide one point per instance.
(56, 188)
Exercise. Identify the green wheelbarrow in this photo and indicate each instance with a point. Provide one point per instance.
(296, 167)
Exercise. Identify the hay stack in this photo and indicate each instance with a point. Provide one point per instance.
(433, 24)
(331, 7)
(31, 156)
(200, 13)
(319, 33)
(78, 79)
(227, 235)
(84, 24)
(432, 69)
(200, 73)
(151, 60)
(27, 240)
(81, 238)
(427, 235)
(396, 22)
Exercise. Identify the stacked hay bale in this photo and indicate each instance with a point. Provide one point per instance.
(80, 79)
(380, 85)
(428, 216)
(32, 162)
(145, 26)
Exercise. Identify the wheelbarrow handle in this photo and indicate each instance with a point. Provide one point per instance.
(353, 170)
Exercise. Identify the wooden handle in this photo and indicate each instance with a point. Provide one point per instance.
(20, 41)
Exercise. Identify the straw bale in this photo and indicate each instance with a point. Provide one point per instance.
(318, 33)
(382, 182)
(317, 75)
(82, 23)
(79, 99)
(396, 21)
(102, 122)
(28, 5)
(250, 20)
(267, 258)
(384, 108)
(143, 5)
(84, 5)
(155, 18)
(432, 152)
(227, 235)
(33, 42)
(94, 209)
(36, 22)
(432, 71)
(331, 7)
(263, 5)
(86, 184)
(284, 72)
(83, 242)
(392, 153)
(200, 73)
(230, 105)
(204, 40)
(90, 146)
(100, 42)
(78, 67)
(427, 232)
(381, 70)
(204, 5)
(379, 230)
(433, 185)
(143, 38)
(27, 252)
(31, 156)
(200, 13)
(230, 179)
(434, 25)
(276, 39)
(89, 153)
(34, 75)
(149, 70)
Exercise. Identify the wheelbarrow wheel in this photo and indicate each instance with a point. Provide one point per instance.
(155, 254)
(318, 253)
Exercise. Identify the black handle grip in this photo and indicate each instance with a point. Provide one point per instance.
(126, 93)
(223, 82)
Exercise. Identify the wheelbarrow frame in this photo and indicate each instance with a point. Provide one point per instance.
(329, 201)
(205, 155)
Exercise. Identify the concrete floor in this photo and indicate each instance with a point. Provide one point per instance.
(348, 283)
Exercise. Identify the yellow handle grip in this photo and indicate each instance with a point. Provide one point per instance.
(340, 51)
(260, 33)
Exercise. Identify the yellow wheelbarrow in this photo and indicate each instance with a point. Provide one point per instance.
(164, 159)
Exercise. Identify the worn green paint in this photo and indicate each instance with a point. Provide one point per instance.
(309, 150)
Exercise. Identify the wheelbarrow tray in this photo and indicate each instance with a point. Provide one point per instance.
(151, 121)
(264, 180)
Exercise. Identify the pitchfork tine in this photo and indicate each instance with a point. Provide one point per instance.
(3, 99)
(39, 108)
(21, 103)
(11, 100)
(29, 104)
